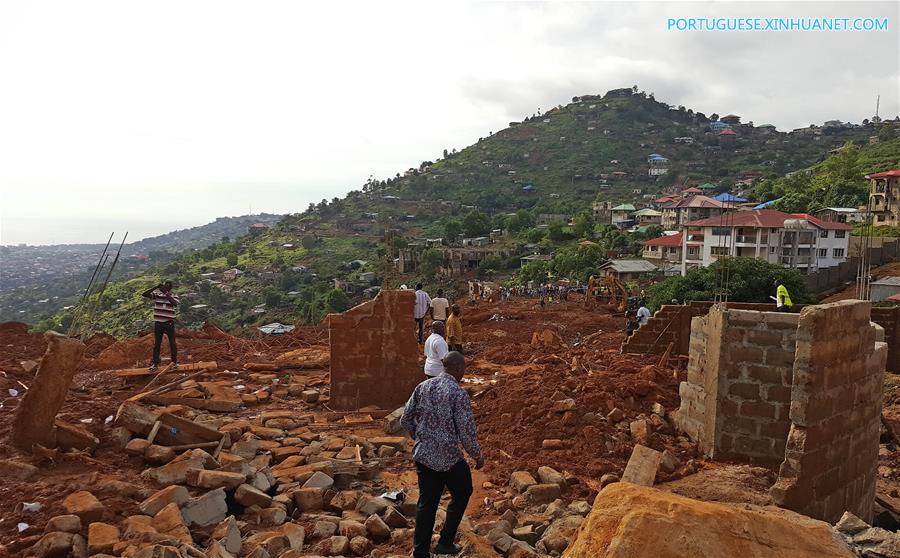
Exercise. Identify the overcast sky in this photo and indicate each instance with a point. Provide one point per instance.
(153, 116)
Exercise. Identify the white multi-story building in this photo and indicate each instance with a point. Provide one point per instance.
(793, 240)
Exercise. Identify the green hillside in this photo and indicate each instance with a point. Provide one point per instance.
(566, 157)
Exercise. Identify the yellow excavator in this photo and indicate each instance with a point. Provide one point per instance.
(606, 290)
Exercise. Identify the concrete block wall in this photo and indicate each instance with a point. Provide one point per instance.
(374, 354)
(736, 400)
(832, 447)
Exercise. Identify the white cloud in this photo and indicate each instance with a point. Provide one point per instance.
(153, 116)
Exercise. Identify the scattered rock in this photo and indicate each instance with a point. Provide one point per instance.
(228, 534)
(350, 528)
(394, 518)
(17, 470)
(608, 478)
(52, 545)
(553, 444)
(338, 545)
(615, 416)
(102, 537)
(214, 479)
(668, 462)
(377, 529)
(548, 475)
(849, 524)
(319, 480)
(392, 422)
(640, 431)
(247, 496)
(308, 499)
(521, 480)
(205, 510)
(369, 506)
(85, 505)
(158, 455)
(64, 523)
(543, 493)
(324, 530)
(360, 546)
(169, 494)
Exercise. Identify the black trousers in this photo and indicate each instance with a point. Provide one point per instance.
(458, 481)
(420, 326)
(167, 329)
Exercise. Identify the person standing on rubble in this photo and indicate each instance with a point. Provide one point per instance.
(164, 303)
(435, 350)
(423, 304)
(454, 329)
(439, 307)
(439, 418)
(643, 313)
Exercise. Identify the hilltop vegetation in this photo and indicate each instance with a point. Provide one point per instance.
(535, 180)
(839, 181)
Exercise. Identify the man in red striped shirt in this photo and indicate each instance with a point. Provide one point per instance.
(164, 303)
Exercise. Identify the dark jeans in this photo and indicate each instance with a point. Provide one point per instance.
(458, 481)
(456, 347)
(420, 326)
(160, 329)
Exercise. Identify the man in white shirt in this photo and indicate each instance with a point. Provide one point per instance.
(439, 307)
(643, 313)
(435, 350)
(423, 303)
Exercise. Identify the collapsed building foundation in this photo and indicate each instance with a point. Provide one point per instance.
(803, 390)
(374, 354)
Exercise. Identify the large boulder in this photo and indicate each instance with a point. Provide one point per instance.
(642, 522)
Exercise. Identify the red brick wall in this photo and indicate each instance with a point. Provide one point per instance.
(374, 354)
(832, 448)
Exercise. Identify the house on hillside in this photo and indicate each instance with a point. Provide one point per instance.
(647, 216)
(528, 189)
(690, 208)
(622, 92)
(665, 253)
(628, 270)
(258, 228)
(731, 119)
(525, 260)
(658, 165)
(842, 215)
(687, 140)
(623, 215)
(727, 135)
(602, 211)
(718, 126)
(884, 197)
(798, 240)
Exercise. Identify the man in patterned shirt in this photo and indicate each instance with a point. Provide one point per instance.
(164, 303)
(439, 418)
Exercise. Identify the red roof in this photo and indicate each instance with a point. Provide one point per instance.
(587, 243)
(692, 191)
(763, 218)
(669, 240)
(885, 174)
(727, 132)
(698, 201)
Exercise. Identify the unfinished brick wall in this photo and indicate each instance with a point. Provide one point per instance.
(736, 400)
(374, 354)
(832, 448)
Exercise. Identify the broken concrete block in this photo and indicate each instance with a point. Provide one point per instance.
(394, 519)
(217, 550)
(350, 528)
(102, 537)
(85, 505)
(323, 530)
(392, 422)
(169, 521)
(376, 505)
(338, 546)
(377, 529)
(137, 446)
(640, 431)
(398, 442)
(202, 478)
(295, 534)
(642, 466)
(65, 523)
(319, 480)
(310, 395)
(668, 462)
(228, 534)
(553, 444)
(206, 510)
(543, 493)
(849, 524)
(521, 480)
(308, 499)
(177, 494)
(272, 517)
(527, 534)
(548, 475)
(52, 545)
(35, 420)
(343, 501)
(247, 496)
(16, 470)
(176, 471)
(138, 525)
(158, 455)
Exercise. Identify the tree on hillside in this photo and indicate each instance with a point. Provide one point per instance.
(749, 280)
(337, 300)
(452, 228)
(476, 223)
(533, 236)
(886, 132)
(577, 263)
(583, 225)
(231, 259)
(430, 263)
